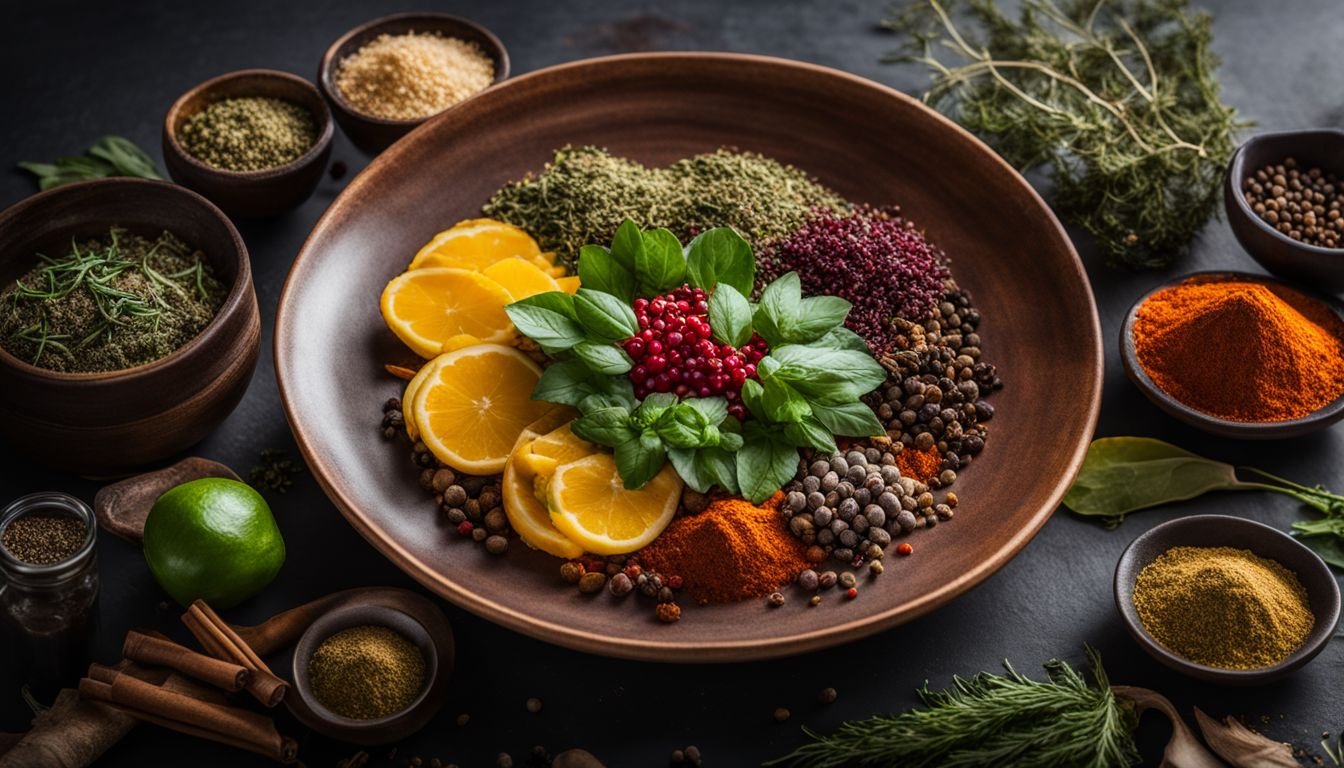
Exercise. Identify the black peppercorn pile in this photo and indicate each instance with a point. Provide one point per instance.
(1304, 205)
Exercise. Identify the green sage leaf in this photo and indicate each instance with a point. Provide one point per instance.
(852, 419)
(640, 458)
(124, 156)
(730, 315)
(1126, 474)
(603, 316)
(605, 359)
(660, 265)
(764, 465)
(721, 257)
(600, 271)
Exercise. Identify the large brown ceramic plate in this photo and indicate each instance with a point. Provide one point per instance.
(870, 143)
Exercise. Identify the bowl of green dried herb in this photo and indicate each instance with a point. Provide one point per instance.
(128, 323)
(255, 141)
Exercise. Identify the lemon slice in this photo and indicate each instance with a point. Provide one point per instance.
(429, 309)
(408, 397)
(521, 278)
(591, 506)
(569, 284)
(474, 403)
(525, 470)
(476, 244)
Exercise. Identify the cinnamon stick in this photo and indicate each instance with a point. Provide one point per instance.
(400, 371)
(220, 641)
(185, 714)
(155, 651)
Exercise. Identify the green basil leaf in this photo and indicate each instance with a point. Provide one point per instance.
(548, 319)
(852, 419)
(640, 458)
(810, 432)
(828, 373)
(606, 359)
(123, 155)
(599, 400)
(752, 392)
(684, 461)
(764, 465)
(721, 257)
(682, 427)
(767, 367)
(1126, 474)
(628, 245)
(730, 441)
(714, 409)
(600, 271)
(606, 426)
(783, 403)
(730, 315)
(842, 338)
(568, 382)
(604, 316)
(818, 316)
(781, 301)
(660, 265)
(653, 408)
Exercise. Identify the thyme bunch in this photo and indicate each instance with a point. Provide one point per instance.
(1116, 98)
(990, 719)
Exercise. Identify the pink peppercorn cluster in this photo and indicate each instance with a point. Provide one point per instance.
(871, 257)
(674, 351)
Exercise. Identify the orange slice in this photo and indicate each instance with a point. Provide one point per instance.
(474, 403)
(475, 244)
(521, 278)
(408, 397)
(592, 508)
(428, 308)
(569, 284)
(524, 471)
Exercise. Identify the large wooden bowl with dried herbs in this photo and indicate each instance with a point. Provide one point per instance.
(869, 143)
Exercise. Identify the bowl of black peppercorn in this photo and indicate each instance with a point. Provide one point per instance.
(1284, 196)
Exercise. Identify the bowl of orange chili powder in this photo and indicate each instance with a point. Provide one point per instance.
(1238, 355)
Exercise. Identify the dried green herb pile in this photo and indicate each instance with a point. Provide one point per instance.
(111, 303)
(1116, 98)
(585, 193)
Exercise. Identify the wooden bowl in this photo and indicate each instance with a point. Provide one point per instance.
(1320, 268)
(1242, 430)
(381, 730)
(1228, 531)
(250, 193)
(374, 134)
(110, 423)
(868, 142)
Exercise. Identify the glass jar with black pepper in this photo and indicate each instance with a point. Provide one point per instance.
(48, 589)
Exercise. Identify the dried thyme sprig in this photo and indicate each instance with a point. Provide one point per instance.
(1116, 97)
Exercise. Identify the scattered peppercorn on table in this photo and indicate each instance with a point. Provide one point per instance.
(509, 693)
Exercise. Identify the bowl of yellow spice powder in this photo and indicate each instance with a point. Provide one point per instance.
(255, 142)
(365, 673)
(1225, 599)
(389, 75)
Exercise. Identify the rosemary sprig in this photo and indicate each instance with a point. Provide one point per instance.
(109, 156)
(1117, 98)
(990, 719)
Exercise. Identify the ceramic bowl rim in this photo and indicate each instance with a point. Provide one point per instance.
(1320, 636)
(1236, 170)
(1319, 419)
(242, 282)
(325, 129)
(329, 64)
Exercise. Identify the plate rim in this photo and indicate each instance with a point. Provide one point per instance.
(574, 636)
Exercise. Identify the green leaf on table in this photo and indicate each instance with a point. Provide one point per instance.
(852, 419)
(600, 271)
(606, 359)
(1126, 474)
(778, 309)
(639, 459)
(610, 426)
(818, 316)
(568, 382)
(66, 170)
(1324, 538)
(124, 156)
(627, 246)
(828, 374)
(548, 319)
(720, 257)
(730, 315)
(764, 464)
(603, 316)
(660, 265)
(811, 433)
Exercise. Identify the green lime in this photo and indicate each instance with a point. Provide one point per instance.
(213, 539)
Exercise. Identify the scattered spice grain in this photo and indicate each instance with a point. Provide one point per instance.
(1223, 607)
(250, 133)
(413, 75)
(43, 539)
(1241, 350)
(367, 672)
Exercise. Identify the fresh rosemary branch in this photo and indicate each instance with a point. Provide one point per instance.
(1117, 98)
(990, 720)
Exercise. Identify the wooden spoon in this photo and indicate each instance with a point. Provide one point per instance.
(123, 506)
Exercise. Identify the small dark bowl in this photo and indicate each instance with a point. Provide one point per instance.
(381, 730)
(374, 134)
(1246, 430)
(110, 423)
(1227, 531)
(250, 193)
(1321, 268)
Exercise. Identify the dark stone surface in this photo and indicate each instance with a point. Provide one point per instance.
(78, 70)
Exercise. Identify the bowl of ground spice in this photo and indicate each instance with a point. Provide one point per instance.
(1225, 599)
(128, 323)
(1284, 197)
(365, 673)
(1238, 355)
(255, 141)
(389, 75)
